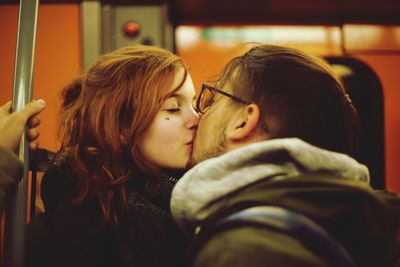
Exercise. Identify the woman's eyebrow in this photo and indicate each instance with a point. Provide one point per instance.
(180, 96)
(175, 95)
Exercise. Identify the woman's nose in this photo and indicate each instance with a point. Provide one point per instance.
(193, 120)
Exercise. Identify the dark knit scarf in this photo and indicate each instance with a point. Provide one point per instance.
(152, 238)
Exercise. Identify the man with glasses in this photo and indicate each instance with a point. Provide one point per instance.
(274, 184)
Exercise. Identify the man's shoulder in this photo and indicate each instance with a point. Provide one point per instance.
(254, 246)
(326, 200)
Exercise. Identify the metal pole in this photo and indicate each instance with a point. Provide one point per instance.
(14, 243)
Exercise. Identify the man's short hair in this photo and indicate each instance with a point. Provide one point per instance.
(299, 96)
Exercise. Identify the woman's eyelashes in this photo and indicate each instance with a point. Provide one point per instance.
(173, 110)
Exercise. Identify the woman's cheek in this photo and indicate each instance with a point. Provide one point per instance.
(169, 127)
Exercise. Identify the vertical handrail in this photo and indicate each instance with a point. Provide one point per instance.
(14, 243)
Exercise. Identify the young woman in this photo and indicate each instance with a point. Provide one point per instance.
(126, 128)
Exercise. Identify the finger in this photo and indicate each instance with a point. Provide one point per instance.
(33, 145)
(33, 108)
(6, 108)
(32, 134)
(34, 122)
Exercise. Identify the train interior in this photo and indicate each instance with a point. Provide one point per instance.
(360, 39)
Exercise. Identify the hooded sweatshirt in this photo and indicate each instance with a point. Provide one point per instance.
(330, 188)
(203, 189)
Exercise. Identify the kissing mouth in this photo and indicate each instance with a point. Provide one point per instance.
(190, 143)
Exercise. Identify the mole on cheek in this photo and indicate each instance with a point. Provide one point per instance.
(166, 118)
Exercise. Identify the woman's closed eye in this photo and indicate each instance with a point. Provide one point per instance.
(172, 110)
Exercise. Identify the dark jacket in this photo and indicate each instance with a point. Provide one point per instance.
(74, 235)
(365, 222)
(10, 173)
(329, 188)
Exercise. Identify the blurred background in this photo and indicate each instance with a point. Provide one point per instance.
(360, 39)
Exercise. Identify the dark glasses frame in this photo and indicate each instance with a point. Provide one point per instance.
(205, 87)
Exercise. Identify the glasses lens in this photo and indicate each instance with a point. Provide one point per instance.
(206, 100)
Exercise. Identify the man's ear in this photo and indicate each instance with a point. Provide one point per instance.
(244, 124)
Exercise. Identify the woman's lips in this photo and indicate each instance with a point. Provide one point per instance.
(190, 145)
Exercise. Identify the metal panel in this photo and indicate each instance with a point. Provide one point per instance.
(107, 28)
(149, 17)
(155, 28)
(91, 39)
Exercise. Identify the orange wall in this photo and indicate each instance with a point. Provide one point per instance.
(57, 59)
(387, 68)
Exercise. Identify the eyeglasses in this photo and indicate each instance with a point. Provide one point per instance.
(207, 95)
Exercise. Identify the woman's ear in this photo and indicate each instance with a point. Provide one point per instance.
(244, 124)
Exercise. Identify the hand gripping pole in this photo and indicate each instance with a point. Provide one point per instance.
(14, 242)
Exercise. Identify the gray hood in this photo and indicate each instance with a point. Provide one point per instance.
(202, 190)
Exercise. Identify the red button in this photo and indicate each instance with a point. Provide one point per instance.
(131, 29)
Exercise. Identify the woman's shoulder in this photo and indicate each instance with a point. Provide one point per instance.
(58, 181)
(59, 174)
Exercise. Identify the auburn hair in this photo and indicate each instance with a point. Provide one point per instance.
(104, 116)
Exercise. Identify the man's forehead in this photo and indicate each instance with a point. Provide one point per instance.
(226, 84)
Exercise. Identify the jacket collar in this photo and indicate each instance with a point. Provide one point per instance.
(202, 190)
